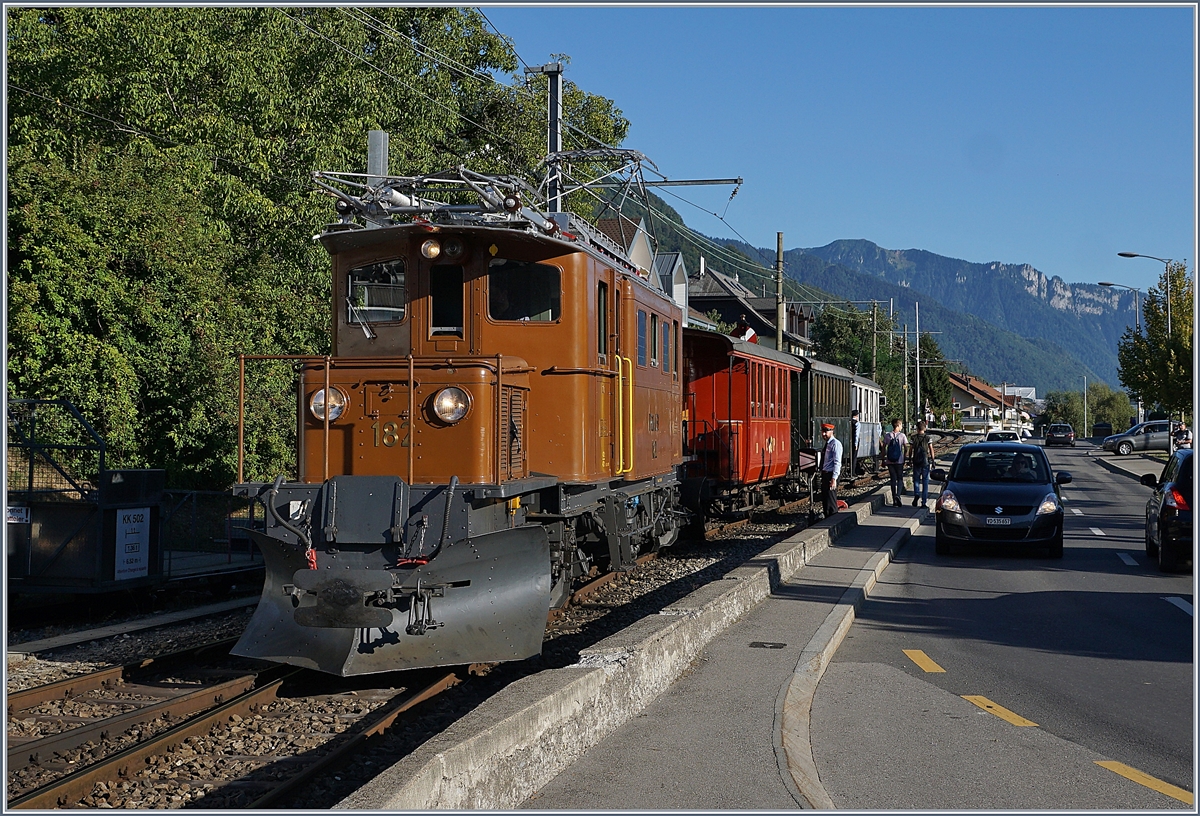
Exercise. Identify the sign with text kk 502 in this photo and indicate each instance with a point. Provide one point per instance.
(133, 543)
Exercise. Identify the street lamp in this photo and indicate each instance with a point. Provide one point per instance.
(1166, 277)
(1137, 323)
(1136, 310)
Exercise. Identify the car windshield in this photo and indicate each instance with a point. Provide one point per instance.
(999, 466)
(1001, 436)
(1060, 429)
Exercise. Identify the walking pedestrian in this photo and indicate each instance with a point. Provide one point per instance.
(894, 443)
(831, 467)
(921, 453)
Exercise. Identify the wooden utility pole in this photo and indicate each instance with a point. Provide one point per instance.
(779, 308)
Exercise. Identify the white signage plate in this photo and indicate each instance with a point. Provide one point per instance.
(133, 543)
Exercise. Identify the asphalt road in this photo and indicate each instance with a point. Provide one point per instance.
(1003, 680)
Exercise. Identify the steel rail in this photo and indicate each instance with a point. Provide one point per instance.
(69, 790)
(377, 723)
(177, 705)
(80, 684)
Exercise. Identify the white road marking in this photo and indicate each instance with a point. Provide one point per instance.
(1077, 512)
(1096, 531)
(1128, 559)
(1181, 603)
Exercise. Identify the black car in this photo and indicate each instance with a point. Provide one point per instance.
(1169, 512)
(1000, 493)
(1060, 434)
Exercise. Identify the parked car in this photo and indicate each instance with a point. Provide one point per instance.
(1002, 436)
(1145, 436)
(1060, 434)
(1169, 512)
(1000, 493)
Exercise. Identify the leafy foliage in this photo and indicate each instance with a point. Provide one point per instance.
(161, 208)
(1156, 366)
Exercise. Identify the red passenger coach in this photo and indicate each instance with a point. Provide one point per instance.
(739, 443)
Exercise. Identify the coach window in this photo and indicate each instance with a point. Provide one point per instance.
(375, 293)
(641, 337)
(602, 321)
(446, 293)
(523, 291)
(771, 372)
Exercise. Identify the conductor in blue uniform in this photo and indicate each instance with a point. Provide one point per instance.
(831, 468)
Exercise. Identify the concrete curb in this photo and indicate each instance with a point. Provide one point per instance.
(793, 746)
(1110, 465)
(508, 748)
(24, 650)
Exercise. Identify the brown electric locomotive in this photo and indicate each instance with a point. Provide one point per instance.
(500, 413)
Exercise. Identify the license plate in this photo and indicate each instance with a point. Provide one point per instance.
(999, 521)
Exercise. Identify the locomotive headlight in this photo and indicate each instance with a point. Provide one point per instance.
(337, 403)
(452, 247)
(451, 404)
(431, 249)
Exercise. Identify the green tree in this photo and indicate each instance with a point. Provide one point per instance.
(1156, 366)
(161, 207)
(1103, 405)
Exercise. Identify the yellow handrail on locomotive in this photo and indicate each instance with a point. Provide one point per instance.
(621, 414)
(624, 416)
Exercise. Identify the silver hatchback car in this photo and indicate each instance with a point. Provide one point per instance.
(1153, 435)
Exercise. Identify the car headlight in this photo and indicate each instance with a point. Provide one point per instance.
(337, 403)
(1048, 505)
(451, 404)
(947, 502)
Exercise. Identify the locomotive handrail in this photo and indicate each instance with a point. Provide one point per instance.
(627, 430)
(599, 372)
(620, 375)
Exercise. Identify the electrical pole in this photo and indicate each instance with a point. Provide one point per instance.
(907, 415)
(917, 333)
(779, 309)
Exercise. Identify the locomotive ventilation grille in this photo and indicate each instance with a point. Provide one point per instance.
(512, 433)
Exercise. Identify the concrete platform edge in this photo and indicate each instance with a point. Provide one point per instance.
(508, 748)
(793, 749)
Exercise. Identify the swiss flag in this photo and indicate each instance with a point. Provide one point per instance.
(742, 331)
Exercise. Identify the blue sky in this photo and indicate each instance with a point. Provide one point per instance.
(1055, 137)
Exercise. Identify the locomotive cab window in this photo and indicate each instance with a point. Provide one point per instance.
(375, 293)
(446, 296)
(524, 291)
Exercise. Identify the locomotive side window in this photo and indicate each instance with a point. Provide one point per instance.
(641, 337)
(666, 348)
(446, 292)
(653, 339)
(675, 340)
(375, 293)
(524, 291)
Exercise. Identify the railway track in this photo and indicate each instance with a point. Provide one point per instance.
(228, 731)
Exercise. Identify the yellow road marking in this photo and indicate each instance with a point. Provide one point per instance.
(999, 710)
(1148, 781)
(922, 660)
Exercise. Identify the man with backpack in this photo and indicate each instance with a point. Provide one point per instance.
(894, 444)
(922, 457)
